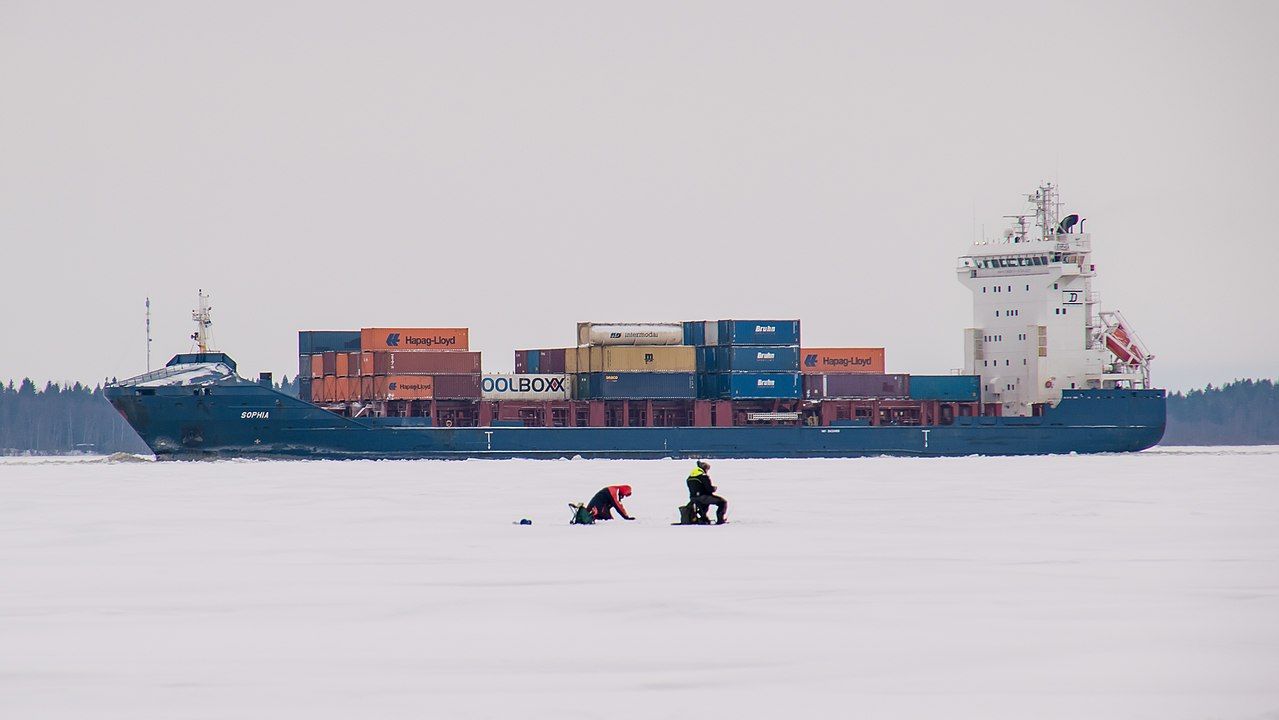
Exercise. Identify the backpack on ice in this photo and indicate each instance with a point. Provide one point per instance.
(581, 515)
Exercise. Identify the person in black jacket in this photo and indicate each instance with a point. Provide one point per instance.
(702, 493)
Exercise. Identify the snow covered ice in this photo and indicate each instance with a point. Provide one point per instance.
(1133, 586)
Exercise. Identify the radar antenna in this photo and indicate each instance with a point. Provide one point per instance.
(200, 315)
(1047, 210)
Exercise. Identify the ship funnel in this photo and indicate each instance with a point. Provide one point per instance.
(1067, 223)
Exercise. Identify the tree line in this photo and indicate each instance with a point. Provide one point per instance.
(77, 418)
(1243, 412)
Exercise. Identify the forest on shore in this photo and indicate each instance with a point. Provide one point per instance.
(61, 419)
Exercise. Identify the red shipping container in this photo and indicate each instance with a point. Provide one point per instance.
(366, 388)
(551, 362)
(521, 361)
(330, 363)
(317, 366)
(425, 363)
(403, 387)
(366, 363)
(330, 389)
(414, 339)
(841, 360)
(457, 387)
(814, 386)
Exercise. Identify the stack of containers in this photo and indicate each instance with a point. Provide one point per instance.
(532, 362)
(746, 359)
(849, 373)
(418, 364)
(312, 345)
(632, 361)
(539, 376)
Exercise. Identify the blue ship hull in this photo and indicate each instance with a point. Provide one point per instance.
(242, 419)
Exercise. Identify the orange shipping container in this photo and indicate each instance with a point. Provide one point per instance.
(366, 366)
(317, 366)
(366, 388)
(414, 339)
(329, 386)
(841, 360)
(353, 388)
(403, 387)
(344, 365)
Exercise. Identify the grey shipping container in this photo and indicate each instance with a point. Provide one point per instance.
(856, 385)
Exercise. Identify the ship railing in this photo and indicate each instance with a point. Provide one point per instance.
(770, 416)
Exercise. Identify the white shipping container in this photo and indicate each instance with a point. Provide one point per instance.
(630, 333)
(710, 331)
(524, 387)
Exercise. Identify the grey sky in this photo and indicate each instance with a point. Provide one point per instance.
(517, 167)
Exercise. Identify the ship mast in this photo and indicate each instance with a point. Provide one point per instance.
(148, 334)
(202, 321)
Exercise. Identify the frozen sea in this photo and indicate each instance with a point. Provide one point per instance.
(1122, 586)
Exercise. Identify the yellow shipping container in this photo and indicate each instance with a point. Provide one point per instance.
(636, 358)
(570, 360)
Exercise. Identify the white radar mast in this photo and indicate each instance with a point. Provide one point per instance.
(201, 316)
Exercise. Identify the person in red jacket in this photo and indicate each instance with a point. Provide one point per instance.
(608, 499)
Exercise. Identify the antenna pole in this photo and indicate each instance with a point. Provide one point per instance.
(148, 334)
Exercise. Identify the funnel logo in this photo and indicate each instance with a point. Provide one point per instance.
(393, 340)
(810, 360)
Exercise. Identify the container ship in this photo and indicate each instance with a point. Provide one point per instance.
(1046, 370)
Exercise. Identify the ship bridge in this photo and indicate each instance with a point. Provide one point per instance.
(1037, 324)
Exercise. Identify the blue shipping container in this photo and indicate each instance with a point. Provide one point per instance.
(707, 358)
(694, 332)
(707, 386)
(757, 358)
(311, 342)
(533, 361)
(642, 386)
(769, 386)
(951, 388)
(758, 332)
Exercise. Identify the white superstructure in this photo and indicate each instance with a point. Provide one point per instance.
(1037, 327)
